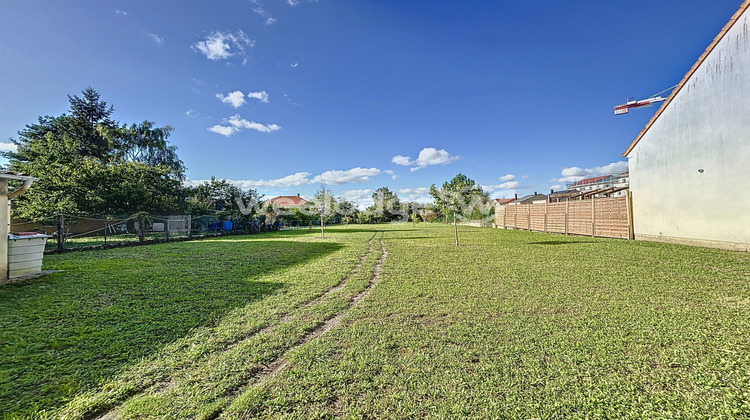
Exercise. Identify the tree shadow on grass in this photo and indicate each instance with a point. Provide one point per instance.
(560, 242)
(67, 332)
(411, 238)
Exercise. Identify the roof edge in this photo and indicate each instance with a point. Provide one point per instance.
(735, 17)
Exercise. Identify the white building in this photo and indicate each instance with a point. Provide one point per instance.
(689, 166)
(606, 185)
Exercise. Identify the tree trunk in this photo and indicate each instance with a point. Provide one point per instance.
(322, 228)
(60, 234)
(455, 227)
(141, 227)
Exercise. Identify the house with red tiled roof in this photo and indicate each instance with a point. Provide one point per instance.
(288, 201)
(601, 186)
(503, 201)
(588, 181)
(698, 144)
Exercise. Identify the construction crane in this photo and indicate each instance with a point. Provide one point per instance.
(631, 103)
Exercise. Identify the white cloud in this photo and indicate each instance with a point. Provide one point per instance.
(237, 124)
(351, 176)
(224, 131)
(361, 198)
(421, 195)
(8, 147)
(121, 12)
(299, 178)
(236, 98)
(260, 11)
(223, 45)
(427, 157)
(261, 96)
(575, 174)
(240, 123)
(191, 113)
(506, 178)
(294, 65)
(292, 2)
(556, 187)
(402, 160)
(503, 189)
(156, 38)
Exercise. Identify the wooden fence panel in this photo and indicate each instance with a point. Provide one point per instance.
(579, 217)
(522, 221)
(500, 216)
(556, 217)
(510, 217)
(612, 217)
(604, 217)
(536, 212)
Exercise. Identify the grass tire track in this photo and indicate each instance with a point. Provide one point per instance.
(281, 363)
(111, 411)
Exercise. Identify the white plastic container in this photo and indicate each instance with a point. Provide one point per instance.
(25, 253)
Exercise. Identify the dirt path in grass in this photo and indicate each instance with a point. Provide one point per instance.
(282, 362)
(279, 363)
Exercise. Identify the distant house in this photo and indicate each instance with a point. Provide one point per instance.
(565, 195)
(530, 199)
(602, 186)
(288, 201)
(503, 201)
(698, 144)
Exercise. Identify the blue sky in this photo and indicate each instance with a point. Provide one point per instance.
(280, 95)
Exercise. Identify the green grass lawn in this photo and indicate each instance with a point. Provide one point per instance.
(84, 241)
(511, 324)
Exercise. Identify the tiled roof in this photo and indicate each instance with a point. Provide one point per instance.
(504, 200)
(590, 180)
(288, 200)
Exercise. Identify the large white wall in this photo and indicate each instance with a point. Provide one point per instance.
(706, 126)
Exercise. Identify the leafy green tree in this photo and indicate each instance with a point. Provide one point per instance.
(89, 122)
(324, 205)
(223, 199)
(386, 205)
(147, 144)
(87, 164)
(460, 196)
(137, 188)
(463, 196)
(347, 209)
(302, 216)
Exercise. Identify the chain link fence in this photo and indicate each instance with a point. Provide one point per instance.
(78, 232)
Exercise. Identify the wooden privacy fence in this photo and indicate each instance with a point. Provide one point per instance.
(609, 217)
